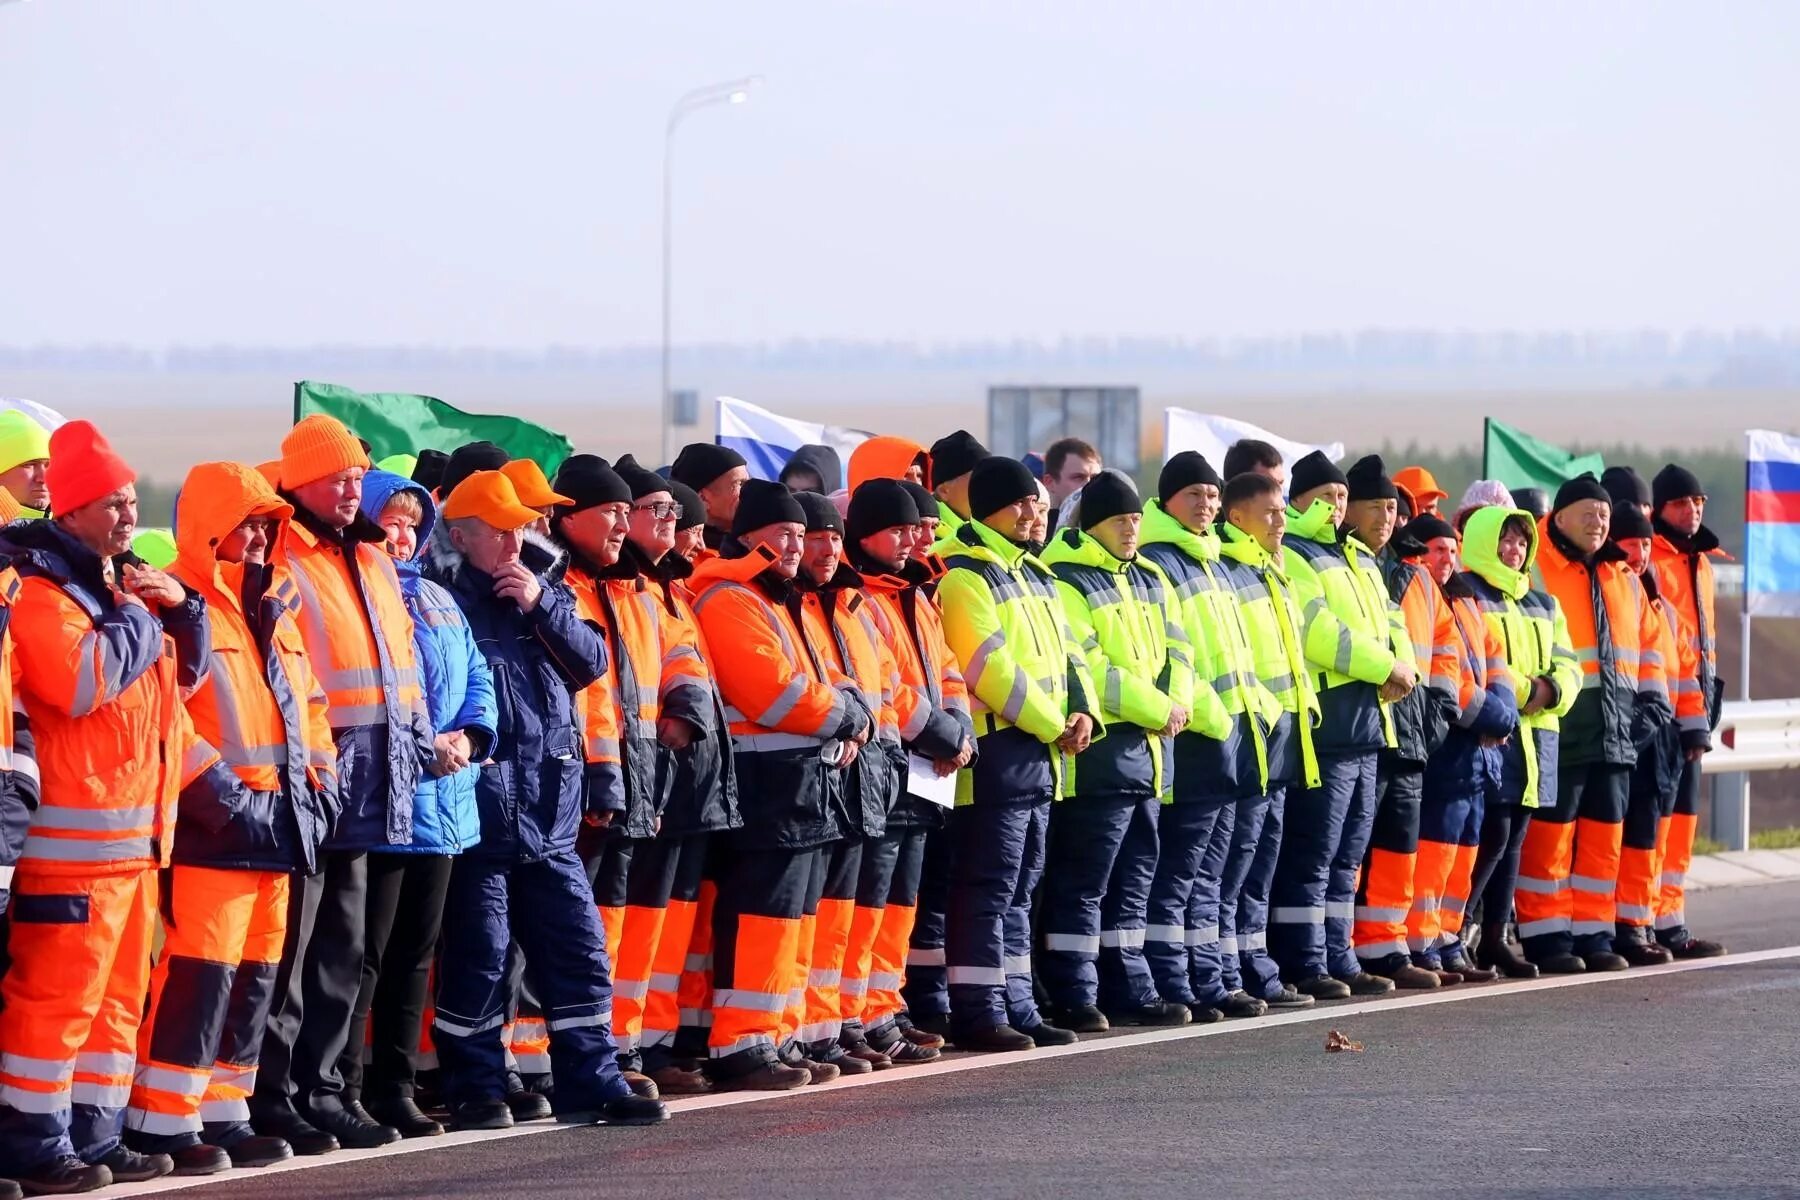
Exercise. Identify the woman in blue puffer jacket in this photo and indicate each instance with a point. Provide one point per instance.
(407, 884)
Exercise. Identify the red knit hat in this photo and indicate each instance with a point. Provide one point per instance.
(83, 467)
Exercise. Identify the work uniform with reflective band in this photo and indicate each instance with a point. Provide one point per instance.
(1534, 639)
(18, 757)
(631, 880)
(1569, 865)
(950, 523)
(932, 708)
(101, 680)
(1462, 774)
(1103, 844)
(787, 710)
(1191, 926)
(1271, 616)
(700, 807)
(358, 637)
(1352, 642)
(1026, 674)
(1689, 588)
(226, 904)
(837, 954)
(1384, 897)
(523, 881)
(1657, 778)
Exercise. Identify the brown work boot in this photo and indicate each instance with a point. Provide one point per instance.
(674, 1080)
(771, 1076)
(641, 1085)
(1410, 976)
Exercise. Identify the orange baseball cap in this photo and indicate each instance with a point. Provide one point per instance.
(1421, 486)
(529, 482)
(488, 496)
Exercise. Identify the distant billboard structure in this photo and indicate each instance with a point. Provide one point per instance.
(1024, 418)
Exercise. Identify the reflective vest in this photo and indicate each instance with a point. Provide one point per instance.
(1486, 705)
(1681, 656)
(1272, 621)
(620, 709)
(1124, 617)
(18, 758)
(932, 703)
(783, 702)
(1613, 633)
(1224, 664)
(1004, 622)
(949, 525)
(1534, 639)
(1351, 638)
(1426, 625)
(100, 685)
(857, 649)
(338, 619)
(1688, 585)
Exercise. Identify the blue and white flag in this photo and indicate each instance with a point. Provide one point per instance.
(767, 440)
(1212, 435)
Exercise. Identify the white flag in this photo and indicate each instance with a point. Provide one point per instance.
(49, 418)
(1212, 435)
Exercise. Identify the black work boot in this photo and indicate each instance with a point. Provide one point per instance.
(65, 1176)
(1498, 952)
(1082, 1018)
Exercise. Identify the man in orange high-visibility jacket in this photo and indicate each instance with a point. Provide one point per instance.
(1656, 781)
(627, 788)
(358, 636)
(104, 656)
(225, 914)
(1569, 865)
(796, 726)
(1682, 554)
(831, 591)
(702, 795)
(887, 544)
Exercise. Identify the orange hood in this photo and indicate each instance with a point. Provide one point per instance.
(883, 458)
(215, 499)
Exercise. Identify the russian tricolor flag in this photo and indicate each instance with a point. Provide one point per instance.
(1772, 525)
(767, 440)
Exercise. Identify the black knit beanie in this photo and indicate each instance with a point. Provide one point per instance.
(764, 502)
(1106, 495)
(1368, 480)
(996, 482)
(923, 501)
(1429, 527)
(1624, 486)
(1675, 483)
(1315, 470)
(1184, 471)
(465, 460)
(1533, 500)
(1583, 487)
(955, 456)
(693, 508)
(699, 463)
(877, 505)
(821, 514)
(1629, 521)
(641, 482)
(428, 471)
(589, 481)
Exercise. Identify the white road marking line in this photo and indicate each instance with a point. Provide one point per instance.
(1333, 1013)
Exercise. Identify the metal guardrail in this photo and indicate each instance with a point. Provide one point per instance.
(1753, 735)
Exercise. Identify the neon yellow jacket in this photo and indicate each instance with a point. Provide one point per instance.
(1272, 621)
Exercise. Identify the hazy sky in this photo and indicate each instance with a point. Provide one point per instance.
(461, 172)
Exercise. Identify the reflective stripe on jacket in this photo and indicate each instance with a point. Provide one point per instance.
(1623, 690)
(620, 709)
(1025, 672)
(1422, 719)
(1236, 765)
(1350, 636)
(1272, 623)
(101, 680)
(19, 775)
(858, 649)
(1123, 615)
(1688, 584)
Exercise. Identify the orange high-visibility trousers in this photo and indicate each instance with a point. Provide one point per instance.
(1569, 866)
(209, 997)
(1449, 835)
(1678, 855)
(759, 933)
(74, 999)
(1644, 840)
(823, 1017)
(1384, 895)
(662, 1004)
(649, 883)
(899, 914)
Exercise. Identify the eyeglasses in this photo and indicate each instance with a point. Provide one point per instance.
(662, 510)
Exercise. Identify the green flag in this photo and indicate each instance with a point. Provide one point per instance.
(395, 423)
(1519, 460)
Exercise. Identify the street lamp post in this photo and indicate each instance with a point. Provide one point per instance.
(734, 91)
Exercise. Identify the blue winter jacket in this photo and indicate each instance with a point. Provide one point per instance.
(530, 791)
(459, 689)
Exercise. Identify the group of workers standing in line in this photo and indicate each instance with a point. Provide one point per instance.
(458, 785)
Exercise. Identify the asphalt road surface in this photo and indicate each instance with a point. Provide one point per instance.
(1660, 1083)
